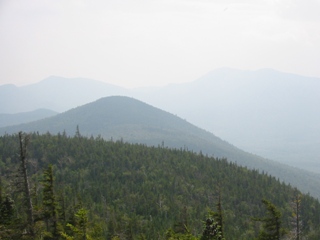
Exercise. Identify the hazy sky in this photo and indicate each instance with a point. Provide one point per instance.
(155, 42)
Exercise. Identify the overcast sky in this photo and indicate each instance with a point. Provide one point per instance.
(155, 42)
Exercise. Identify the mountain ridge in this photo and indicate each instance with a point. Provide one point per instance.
(24, 117)
(274, 115)
(128, 119)
(265, 112)
(56, 93)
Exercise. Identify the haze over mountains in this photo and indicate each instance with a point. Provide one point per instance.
(126, 118)
(55, 93)
(264, 112)
(7, 119)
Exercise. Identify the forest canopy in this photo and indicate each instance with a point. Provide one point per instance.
(88, 187)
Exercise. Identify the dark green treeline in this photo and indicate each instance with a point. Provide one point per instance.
(138, 192)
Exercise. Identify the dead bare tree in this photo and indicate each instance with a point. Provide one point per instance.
(24, 140)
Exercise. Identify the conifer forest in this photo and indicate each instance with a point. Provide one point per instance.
(62, 187)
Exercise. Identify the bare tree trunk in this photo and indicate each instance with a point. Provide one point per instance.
(297, 206)
(23, 156)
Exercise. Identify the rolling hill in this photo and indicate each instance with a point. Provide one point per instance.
(137, 122)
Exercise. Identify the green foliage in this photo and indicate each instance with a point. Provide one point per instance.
(10, 226)
(272, 229)
(125, 118)
(171, 235)
(213, 227)
(49, 205)
(79, 230)
(295, 219)
(6, 211)
(139, 192)
(6, 218)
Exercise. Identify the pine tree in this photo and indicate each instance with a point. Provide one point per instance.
(80, 228)
(271, 223)
(6, 211)
(212, 230)
(50, 204)
(6, 218)
(9, 224)
(218, 215)
(214, 223)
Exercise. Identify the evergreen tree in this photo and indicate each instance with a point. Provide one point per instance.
(271, 223)
(80, 228)
(6, 211)
(218, 215)
(182, 225)
(212, 230)
(171, 235)
(50, 205)
(214, 223)
(9, 225)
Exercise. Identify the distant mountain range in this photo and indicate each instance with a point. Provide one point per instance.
(127, 119)
(56, 93)
(265, 112)
(24, 117)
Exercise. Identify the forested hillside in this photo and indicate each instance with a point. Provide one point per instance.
(89, 188)
(266, 112)
(137, 122)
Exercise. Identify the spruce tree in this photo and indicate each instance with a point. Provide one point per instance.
(271, 223)
(50, 204)
(80, 228)
(212, 229)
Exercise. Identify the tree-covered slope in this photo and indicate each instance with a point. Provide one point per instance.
(136, 122)
(137, 191)
(265, 112)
